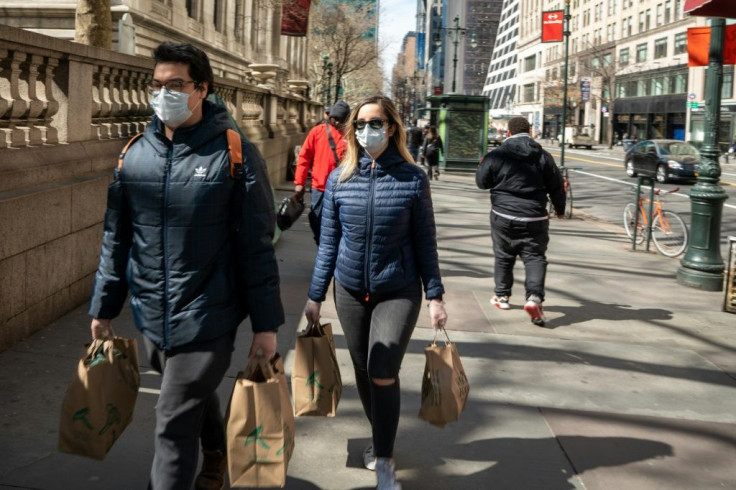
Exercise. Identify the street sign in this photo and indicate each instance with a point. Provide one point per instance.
(585, 89)
(552, 26)
(693, 105)
(691, 96)
(604, 109)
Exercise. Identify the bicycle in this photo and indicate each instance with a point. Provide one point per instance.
(667, 229)
(567, 186)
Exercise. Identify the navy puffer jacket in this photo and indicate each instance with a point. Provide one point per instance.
(378, 233)
(193, 245)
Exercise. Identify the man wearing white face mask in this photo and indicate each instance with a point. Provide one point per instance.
(193, 246)
(379, 241)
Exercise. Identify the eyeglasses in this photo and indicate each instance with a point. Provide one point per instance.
(171, 85)
(376, 123)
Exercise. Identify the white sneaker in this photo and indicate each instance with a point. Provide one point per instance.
(369, 458)
(534, 307)
(386, 473)
(501, 303)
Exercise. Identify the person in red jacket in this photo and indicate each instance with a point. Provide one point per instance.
(321, 153)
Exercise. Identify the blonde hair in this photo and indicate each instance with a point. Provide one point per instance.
(349, 163)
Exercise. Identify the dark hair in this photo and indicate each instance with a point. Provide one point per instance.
(518, 125)
(199, 64)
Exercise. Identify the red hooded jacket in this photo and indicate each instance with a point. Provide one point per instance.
(317, 155)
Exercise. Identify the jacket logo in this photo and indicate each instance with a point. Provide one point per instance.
(200, 172)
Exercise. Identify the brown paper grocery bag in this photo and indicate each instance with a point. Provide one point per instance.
(260, 426)
(315, 379)
(445, 386)
(100, 399)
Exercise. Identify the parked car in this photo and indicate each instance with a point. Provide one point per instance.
(495, 137)
(576, 136)
(663, 160)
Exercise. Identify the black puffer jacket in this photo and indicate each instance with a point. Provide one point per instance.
(193, 246)
(520, 174)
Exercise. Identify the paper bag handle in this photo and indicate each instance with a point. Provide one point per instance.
(447, 337)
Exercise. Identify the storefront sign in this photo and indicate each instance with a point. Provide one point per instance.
(552, 26)
(698, 44)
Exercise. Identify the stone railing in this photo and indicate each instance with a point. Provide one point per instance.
(65, 112)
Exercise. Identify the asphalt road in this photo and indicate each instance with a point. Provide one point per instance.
(601, 189)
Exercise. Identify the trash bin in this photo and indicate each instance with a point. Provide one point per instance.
(729, 298)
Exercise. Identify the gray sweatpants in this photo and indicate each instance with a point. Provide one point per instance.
(187, 407)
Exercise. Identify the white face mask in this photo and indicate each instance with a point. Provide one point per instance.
(172, 107)
(373, 140)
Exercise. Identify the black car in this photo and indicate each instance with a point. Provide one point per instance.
(663, 160)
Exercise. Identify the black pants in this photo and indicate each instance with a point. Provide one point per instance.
(526, 239)
(315, 213)
(377, 334)
(187, 409)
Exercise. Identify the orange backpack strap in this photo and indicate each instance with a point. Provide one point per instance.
(235, 145)
(125, 149)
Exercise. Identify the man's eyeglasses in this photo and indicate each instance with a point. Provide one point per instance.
(376, 123)
(171, 85)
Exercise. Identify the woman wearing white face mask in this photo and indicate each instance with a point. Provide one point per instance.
(378, 239)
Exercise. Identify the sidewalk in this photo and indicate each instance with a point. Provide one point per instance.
(631, 385)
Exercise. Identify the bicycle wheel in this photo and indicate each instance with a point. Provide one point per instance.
(669, 234)
(568, 204)
(629, 223)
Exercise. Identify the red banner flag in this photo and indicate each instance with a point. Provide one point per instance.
(698, 45)
(295, 17)
(553, 22)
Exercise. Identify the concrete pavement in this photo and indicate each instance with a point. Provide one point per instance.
(631, 385)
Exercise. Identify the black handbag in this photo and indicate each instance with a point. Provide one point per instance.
(289, 211)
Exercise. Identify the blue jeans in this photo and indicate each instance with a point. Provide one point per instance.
(526, 239)
(377, 334)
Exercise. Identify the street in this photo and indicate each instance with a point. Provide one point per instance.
(602, 189)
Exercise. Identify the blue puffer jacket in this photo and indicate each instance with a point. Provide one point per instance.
(378, 233)
(191, 244)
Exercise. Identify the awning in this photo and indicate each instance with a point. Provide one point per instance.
(711, 8)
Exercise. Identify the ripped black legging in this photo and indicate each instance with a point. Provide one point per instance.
(377, 334)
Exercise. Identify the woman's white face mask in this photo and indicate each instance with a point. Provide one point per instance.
(373, 140)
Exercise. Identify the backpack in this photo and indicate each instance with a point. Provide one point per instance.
(234, 144)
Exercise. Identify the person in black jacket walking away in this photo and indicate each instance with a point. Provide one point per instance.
(193, 245)
(431, 152)
(520, 176)
(378, 239)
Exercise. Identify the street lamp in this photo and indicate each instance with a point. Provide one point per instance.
(457, 31)
(415, 102)
(566, 33)
(326, 70)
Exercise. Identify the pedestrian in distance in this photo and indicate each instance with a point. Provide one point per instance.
(321, 152)
(192, 243)
(431, 149)
(414, 138)
(520, 176)
(379, 242)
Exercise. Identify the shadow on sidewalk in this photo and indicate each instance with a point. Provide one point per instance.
(595, 310)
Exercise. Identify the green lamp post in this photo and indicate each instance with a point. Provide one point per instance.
(565, 33)
(703, 267)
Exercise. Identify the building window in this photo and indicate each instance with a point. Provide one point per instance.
(680, 42)
(641, 53)
(667, 11)
(193, 9)
(660, 14)
(641, 21)
(660, 48)
(219, 15)
(529, 92)
(648, 21)
(623, 57)
(530, 63)
(727, 89)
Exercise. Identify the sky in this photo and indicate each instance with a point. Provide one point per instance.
(397, 17)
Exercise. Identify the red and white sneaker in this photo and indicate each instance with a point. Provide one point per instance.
(501, 303)
(533, 306)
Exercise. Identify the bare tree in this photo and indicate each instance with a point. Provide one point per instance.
(341, 31)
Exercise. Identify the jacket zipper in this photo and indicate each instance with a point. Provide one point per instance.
(165, 240)
(369, 231)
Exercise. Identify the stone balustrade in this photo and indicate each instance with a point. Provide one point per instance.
(66, 110)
